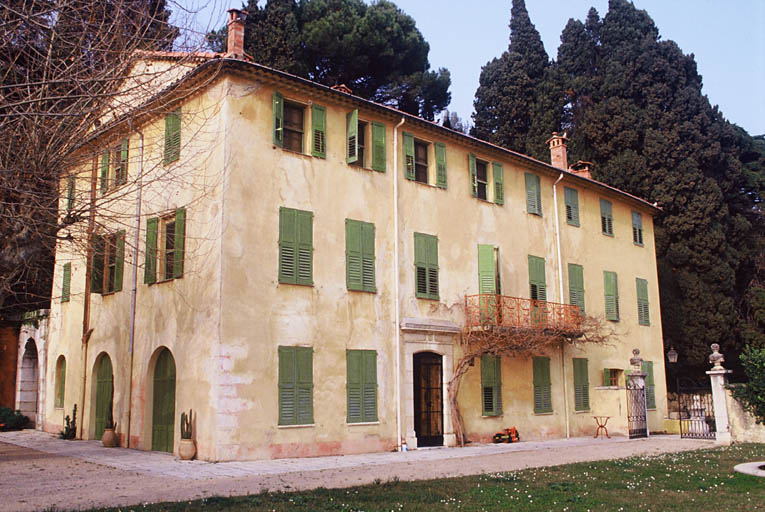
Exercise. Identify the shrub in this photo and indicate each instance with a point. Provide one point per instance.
(12, 420)
(751, 395)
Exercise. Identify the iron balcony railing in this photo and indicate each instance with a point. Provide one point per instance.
(490, 310)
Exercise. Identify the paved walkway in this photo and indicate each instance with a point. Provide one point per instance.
(38, 470)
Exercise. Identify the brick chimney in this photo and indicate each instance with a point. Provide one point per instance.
(235, 47)
(582, 168)
(557, 145)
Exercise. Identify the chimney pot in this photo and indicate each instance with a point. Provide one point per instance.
(557, 145)
(235, 47)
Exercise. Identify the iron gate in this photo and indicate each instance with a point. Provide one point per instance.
(697, 412)
(636, 411)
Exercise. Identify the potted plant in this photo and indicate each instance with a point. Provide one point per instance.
(109, 439)
(187, 448)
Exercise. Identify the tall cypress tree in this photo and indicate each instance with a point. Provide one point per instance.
(634, 107)
(513, 91)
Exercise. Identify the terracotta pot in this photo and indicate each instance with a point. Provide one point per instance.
(109, 439)
(187, 449)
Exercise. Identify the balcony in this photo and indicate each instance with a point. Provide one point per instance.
(486, 311)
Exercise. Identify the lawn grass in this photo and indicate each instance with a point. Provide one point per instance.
(697, 481)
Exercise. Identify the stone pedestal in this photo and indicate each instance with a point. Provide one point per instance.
(719, 377)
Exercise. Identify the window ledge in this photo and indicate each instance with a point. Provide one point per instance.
(428, 298)
(372, 292)
(535, 214)
(491, 416)
(588, 411)
(543, 413)
(362, 423)
(637, 244)
(607, 388)
(307, 425)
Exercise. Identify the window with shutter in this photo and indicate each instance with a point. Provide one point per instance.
(119, 165)
(165, 247)
(172, 136)
(295, 246)
(572, 206)
(488, 284)
(278, 119)
(361, 385)
(97, 264)
(611, 295)
(606, 218)
(60, 382)
(533, 194)
(319, 131)
(104, 176)
(66, 280)
(110, 257)
(576, 285)
(581, 385)
(611, 376)
(426, 266)
(472, 164)
(491, 385)
(378, 147)
(409, 165)
(481, 179)
(499, 183)
(360, 255)
(642, 302)
(295, 385)
(542, 385)
(537, 282)
(293, 126)
(440, 165)
(352, 138)
(637, 228)
(420, 161)
(650, 387)
(150, 261)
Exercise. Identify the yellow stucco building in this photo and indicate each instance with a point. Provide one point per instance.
(293, 262)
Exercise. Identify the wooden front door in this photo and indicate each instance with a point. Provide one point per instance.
(163, 416)
(104, 393)
(428, 399)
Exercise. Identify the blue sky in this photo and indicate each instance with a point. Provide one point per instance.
(727, 39)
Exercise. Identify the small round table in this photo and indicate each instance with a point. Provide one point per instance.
(601, 421)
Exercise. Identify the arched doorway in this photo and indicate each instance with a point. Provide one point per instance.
(163, 406)
(104, 394)
(28, 382)
(428, 399)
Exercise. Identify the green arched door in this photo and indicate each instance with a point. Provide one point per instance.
(163, 416)
(104, 392)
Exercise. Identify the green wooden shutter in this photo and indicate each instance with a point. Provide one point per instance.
(66, 280)
(606, 218)
(70, 191)
(572, 206)
(612, 295)
(499, 183)
(179, 241)
(440, 164)
(491, 385)
(542, 385)
(642, 302)
(304, 385)
(533, 194)
(287, 245)
(319, 129)
(304, 247)
(576, 285)
(408, 155)
(352, 136)
(150, 262)
(473, 175)
(606, 377)
(426, 265)
(487, 270)
(104, 181)
(122, 178)
(369, 360)
(278, 119)
(60, 382)
(537, 282)
(637, 228)
(581, 385)
(119, 261)
(378, 147)
(353, 263)
(368, 257)
(650, 387)
(354, 385)
(173, 136)
(97, 265)
(287, 386)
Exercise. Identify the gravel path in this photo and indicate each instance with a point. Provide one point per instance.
(39, 471)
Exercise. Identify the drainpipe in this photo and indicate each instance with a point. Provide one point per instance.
(86, 330)
(562, 301)
(134, 288)
(396, 286)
